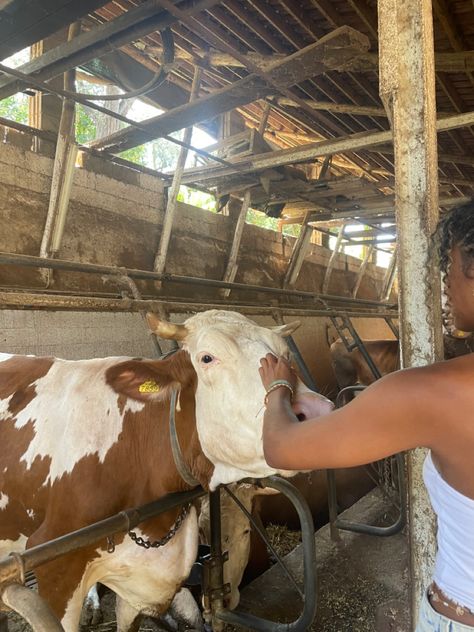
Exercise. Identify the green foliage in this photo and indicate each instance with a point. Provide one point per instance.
(86, 129)
(257, 218)
(15, 108)
(197, 198)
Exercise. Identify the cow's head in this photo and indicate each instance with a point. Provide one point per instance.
(225, 349)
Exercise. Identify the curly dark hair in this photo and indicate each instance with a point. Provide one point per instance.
(456, 229)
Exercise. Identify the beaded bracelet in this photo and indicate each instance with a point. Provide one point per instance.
(279, 384)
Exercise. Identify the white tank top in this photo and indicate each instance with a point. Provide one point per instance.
(454, 569)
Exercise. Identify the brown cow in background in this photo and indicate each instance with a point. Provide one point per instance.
(351, 368)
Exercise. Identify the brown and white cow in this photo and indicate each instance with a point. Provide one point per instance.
(81, 440)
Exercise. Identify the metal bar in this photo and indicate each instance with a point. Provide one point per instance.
(28, 300)
(303, 367)
(231, 268)
(357, 527)
(62, 264)
(407, 83)
(170, 212)
(12, 568)
(216, 570)
(309, 560)
(31, 607)
(264, 536)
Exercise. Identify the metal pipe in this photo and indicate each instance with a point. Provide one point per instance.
(31, 607)
(13, 568)
(23, 300)
(216, 570)
(357, 527)
(72, 266)
(306, 618)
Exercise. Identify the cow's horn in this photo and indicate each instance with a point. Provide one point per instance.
(164, 329)
(288, 329)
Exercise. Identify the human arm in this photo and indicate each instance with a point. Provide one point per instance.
(390, 416)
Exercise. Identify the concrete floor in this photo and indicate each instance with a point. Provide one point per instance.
(362, 581)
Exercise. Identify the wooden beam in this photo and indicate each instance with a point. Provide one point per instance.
(329, 53)
(311, 151)
(133, 24)
(232, 267)
(389, 277)
(339, 108)
(362, 268)
(332, 259)
(23, 22)
(170, 212)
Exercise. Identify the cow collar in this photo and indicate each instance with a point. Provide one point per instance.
(181, 466)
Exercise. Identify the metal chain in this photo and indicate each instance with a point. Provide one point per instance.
(148, 544)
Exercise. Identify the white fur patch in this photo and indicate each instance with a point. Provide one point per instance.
(3, 500)
(74, 414)
(7, 546)
(144, 578)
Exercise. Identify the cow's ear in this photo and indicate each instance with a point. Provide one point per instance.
(288, 329)
(138, 379)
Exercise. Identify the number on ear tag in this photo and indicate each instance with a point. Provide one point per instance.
(150, 386)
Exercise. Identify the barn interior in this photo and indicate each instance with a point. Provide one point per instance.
(178, 156)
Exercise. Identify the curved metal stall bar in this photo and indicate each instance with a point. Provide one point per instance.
(357, 527)
(31, 607)
(309, 557)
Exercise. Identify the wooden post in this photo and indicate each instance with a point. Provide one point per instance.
(160, 258)
(362, 269)
(407, 88)
(298, 255)
(63, 169)
(332, 259)
(232, 266)
(389, 277)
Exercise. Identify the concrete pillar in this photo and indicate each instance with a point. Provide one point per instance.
(407, 88)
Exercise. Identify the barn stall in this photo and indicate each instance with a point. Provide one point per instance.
(300, 100)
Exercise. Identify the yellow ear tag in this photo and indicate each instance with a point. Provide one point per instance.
(150, 386)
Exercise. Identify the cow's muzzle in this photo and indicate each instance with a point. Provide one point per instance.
(310, 405)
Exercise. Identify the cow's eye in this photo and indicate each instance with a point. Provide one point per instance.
(206, 358)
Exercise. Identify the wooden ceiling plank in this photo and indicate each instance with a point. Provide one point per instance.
(313, 59)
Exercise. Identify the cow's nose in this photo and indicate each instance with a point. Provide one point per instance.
(310, 405)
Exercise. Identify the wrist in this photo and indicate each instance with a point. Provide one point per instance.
(282, 387)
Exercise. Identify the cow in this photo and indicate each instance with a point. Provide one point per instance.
(350, 367)
(82, 440)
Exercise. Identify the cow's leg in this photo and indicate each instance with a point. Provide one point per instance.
(128, 617)
(185, 610)
(91, 612)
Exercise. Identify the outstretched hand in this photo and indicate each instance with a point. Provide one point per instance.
(273, 368)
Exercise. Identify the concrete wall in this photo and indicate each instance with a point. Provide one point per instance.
(114, 218)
